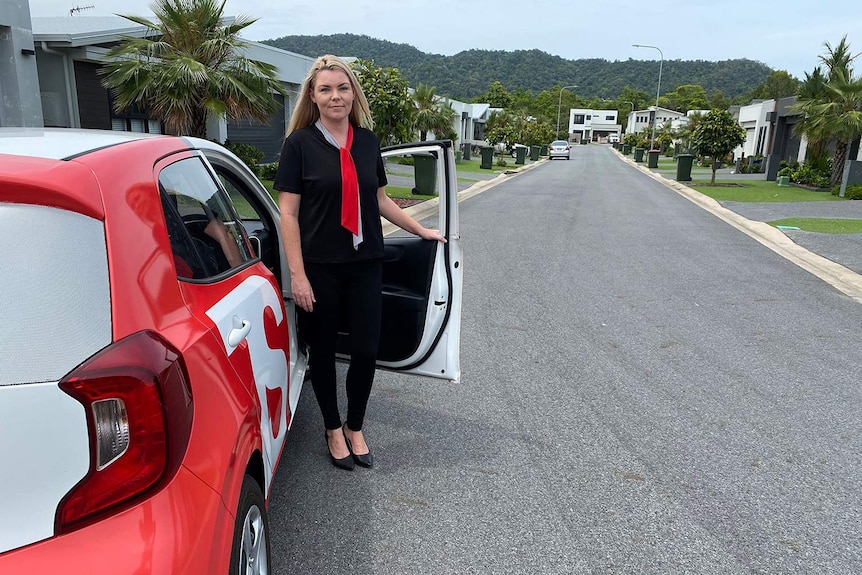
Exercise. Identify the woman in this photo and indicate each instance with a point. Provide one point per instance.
(331, 182)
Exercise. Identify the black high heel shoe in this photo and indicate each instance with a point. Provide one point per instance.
(345, 463)
(365, 460)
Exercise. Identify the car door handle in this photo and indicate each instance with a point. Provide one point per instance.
(240, 331)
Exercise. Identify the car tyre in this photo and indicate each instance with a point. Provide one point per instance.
(250, 550)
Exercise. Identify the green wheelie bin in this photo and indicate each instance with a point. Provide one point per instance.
(487, 158)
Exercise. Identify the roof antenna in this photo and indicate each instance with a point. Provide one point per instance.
(77, 9)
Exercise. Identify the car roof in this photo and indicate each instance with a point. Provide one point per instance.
(61, 143)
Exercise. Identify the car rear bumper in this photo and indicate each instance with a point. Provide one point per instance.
(184, 528)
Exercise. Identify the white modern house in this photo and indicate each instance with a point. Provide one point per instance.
(757, 119)
(682, 121)
(469, 122)
(592, 125)
(640, 120)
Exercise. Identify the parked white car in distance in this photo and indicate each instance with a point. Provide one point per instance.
(559, 149)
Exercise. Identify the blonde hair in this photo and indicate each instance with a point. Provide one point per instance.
(306, 113)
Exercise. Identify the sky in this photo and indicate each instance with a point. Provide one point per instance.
(785, 35)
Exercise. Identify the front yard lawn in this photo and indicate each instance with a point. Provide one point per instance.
(821, 225)
(759, 191)
(391, 191)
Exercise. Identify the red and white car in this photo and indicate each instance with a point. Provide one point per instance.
(150, 367)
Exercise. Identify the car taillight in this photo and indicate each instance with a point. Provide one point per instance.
(138, 404)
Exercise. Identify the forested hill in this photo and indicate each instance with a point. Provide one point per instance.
(468, 74)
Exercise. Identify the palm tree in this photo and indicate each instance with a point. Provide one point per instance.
(839, 115)
(685, 131)
(838, 60)
(432, 114)
(812, 90)
(664, 135)
(831, 106)
(190, 65)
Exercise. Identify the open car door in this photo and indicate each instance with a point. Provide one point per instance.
(422, 279)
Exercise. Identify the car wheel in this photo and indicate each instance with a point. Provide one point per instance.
(250, 551)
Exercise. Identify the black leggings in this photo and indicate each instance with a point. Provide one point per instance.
(348, 296)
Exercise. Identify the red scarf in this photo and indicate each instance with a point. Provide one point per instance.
(349, 187)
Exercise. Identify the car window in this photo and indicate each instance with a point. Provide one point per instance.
(206, 236)
(262, 231)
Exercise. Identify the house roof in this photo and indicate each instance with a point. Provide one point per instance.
(660, 109)
(65, 32)
(84, 30)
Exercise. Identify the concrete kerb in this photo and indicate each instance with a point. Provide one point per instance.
(841, 278)
(429, 207)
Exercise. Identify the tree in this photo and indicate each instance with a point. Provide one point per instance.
(544, 106)
(716, 135)
(812, 89)
(639, 98)
(497, 96)
(685, 131)
(838, 60)
(502, 129)
(522, 100)
(718, 101)
(537, 133)
(839, 115)
(390, 102)
(431, 114)
(664, 136)
(686, 97)
(188, 66)
(831, 106)
(779, 84)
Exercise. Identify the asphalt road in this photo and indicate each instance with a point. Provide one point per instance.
(646, 390)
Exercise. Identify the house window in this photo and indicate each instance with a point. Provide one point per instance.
(589, 117)
(578, 119)
(609, 118)
(134, 120)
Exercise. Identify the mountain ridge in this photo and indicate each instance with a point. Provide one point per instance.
(468, 74)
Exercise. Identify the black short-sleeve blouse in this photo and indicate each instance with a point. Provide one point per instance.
(311, 166)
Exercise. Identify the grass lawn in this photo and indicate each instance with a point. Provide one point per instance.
(268, 185)
(473, 166)
(670, 163)
(406, 193)
(822, 225)
(758, 191)
(391, 191)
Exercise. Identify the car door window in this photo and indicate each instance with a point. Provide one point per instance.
(261, 228)
(206, 234)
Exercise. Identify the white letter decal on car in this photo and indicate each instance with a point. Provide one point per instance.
(256, 301)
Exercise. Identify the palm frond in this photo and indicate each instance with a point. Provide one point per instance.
(191, 61)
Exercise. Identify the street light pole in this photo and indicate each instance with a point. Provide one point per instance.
(657, 91)
(559, 103)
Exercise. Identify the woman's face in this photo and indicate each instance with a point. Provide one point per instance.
(333, 95)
